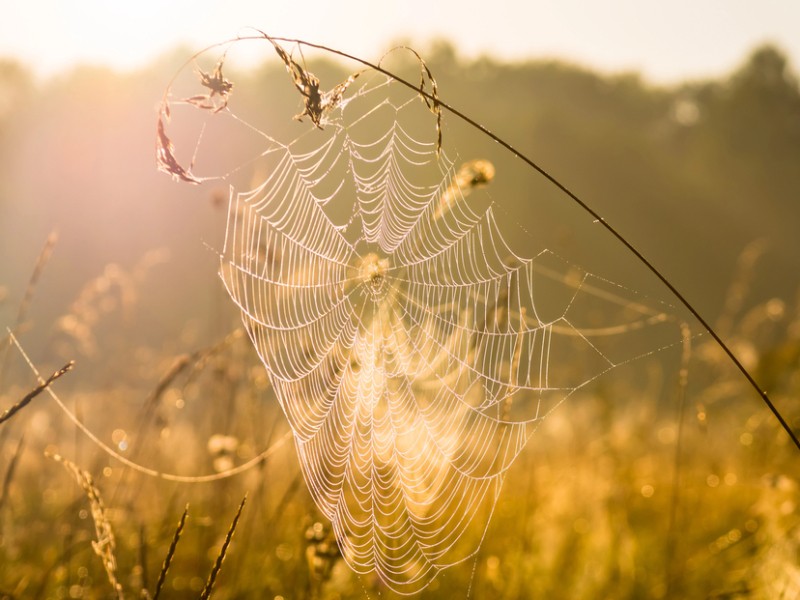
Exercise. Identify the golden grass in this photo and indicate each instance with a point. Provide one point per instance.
(601, 504)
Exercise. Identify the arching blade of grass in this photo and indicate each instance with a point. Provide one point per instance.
(436, 102)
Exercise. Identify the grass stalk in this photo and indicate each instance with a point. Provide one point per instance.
(439, 104)
(10, 475)
(106, 544)
(10, 412)
(212, 577)
(162, 576)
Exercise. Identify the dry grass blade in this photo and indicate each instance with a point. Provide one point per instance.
(10, 475)
(22, 312)
(197, 360)
(143, 561)
(41, 261)
(105, 545)
(162, 576)
(218, 564)
(194, 363)
(10, 412)
(433, 103)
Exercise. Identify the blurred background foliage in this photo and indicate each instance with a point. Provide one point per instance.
(703, 177)
(691, 173)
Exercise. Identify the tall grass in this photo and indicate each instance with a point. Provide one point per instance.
(594, 507)
(644, 485)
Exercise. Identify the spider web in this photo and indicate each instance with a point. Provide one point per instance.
(413, 350)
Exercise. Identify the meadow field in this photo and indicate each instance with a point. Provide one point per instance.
(160, 462)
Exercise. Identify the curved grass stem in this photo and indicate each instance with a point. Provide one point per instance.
(577, 200)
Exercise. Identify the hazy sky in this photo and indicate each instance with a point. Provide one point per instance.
(667, 40)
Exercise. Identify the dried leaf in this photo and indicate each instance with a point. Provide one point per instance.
(165, 157)
(333, 98)
(316, 104)
(217, 99)
(216, 82)
(433, 105)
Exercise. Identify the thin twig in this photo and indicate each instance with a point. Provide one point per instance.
(218, 564)
(35, 392)
(162, 576)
